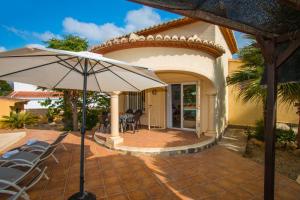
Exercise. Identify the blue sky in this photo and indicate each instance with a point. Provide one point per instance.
(33, 21)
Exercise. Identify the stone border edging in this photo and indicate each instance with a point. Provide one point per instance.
(168, 151)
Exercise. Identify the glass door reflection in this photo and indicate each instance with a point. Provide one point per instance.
(189, 106)
(176, 105)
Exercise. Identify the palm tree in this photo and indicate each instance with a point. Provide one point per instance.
(18, 120)
(247, 81)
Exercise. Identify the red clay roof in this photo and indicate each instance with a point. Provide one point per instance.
(35, 94)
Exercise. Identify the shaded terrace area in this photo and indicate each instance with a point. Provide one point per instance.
(212, 174)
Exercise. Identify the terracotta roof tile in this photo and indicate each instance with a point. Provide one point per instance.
(35, 94)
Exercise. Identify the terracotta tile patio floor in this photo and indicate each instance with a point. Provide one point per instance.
(215, 173)
(158, 138)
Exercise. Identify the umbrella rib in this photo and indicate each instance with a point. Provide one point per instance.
(103, 69)
(97, 81)
(64, 65)
(92, 66)
(100, 71)
(70, 66)
(35, 67)
(66, 74)
(119, 76)
(81, 66)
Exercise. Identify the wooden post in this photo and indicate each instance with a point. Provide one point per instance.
(270, 124)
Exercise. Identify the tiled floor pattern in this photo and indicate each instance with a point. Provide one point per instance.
(216, 173)
(159, 138)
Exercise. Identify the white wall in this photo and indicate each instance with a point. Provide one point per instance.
(34, 103)
(24, 87)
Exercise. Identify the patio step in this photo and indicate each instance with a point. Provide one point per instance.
(100, 138)
(166, 151)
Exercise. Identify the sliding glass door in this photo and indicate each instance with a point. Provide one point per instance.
(176, 105)
(183, 105)
(189, 106)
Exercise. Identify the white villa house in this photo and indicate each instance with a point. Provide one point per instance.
(192, 57)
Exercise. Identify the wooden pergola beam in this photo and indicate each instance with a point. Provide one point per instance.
(288, 36)
(293, 46)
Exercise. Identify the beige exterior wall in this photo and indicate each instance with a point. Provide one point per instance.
(204, 30)
(241, 113)
(185, 65)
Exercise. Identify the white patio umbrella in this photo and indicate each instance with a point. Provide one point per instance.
(85, 71)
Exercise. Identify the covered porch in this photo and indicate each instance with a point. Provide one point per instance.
(182, 114)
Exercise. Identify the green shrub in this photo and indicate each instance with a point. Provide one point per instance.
(281, 135)
(92, 118)
(285, 135)
(259, 130)
(18, 120)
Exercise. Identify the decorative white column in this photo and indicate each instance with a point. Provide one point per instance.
(115, 138)
(198, 109)
(211, 114)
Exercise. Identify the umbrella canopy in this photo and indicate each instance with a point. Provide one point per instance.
(85, 71)
(53, 68)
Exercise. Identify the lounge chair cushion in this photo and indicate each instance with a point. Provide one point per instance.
(9, 174)
(39, 143)
(10, 153)
(28, 156)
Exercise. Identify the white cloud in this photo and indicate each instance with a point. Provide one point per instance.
(91, 31)
(32, 35)
(134, 20)
(2, 49)
(46, 35)
(141, 18)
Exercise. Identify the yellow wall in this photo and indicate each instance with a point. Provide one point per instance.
(241, 113)
(6, 104)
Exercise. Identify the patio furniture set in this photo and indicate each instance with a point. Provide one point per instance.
(21, 168)
(129, 120)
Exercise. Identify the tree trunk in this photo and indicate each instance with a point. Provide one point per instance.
(298, 133)
(74, 100)
(67, 118)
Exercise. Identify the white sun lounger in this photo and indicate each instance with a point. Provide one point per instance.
(12, 176)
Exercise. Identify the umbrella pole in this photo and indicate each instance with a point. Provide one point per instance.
(83, 195)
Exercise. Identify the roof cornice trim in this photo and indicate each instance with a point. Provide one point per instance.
(135, 41)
